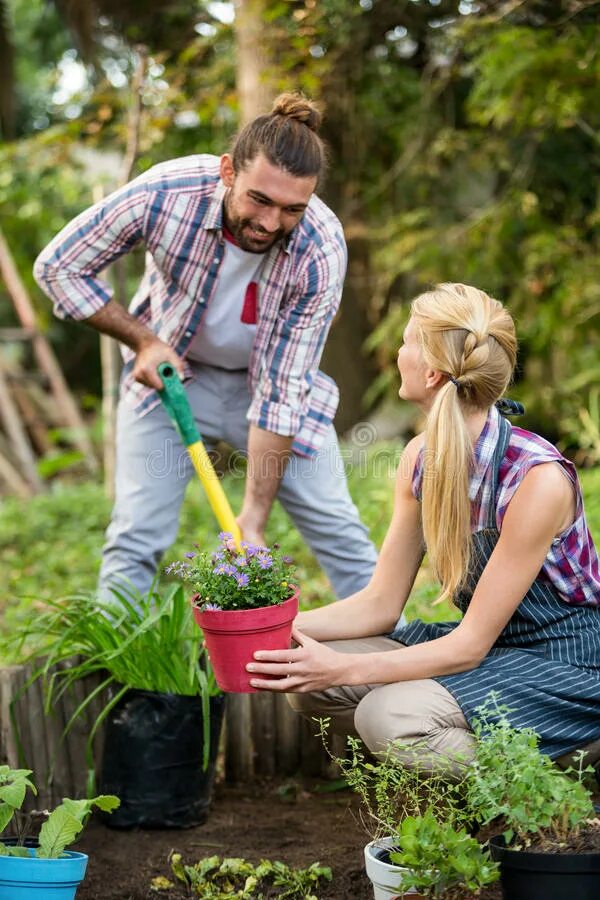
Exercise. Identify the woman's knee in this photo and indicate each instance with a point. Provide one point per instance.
(418, 726)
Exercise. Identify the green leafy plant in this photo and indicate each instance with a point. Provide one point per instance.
(217, 878)
(440, 860)
(62, 825)
(232, 578)
(424, 814)
(391, 791)
(149, 642)
(511, 781)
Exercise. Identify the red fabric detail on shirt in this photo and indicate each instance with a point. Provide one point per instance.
(229, 237)
(248, 316)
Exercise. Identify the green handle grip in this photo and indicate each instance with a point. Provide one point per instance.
(176, 403)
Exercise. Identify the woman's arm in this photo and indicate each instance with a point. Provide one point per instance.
(377, 607)
(535, 515)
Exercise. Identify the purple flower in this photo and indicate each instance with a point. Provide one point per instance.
(251, 549)
(242, 579)
(215, 557)
(265, 561)
(224, 569)
(225, 536)
(210, 606)
(287, 560)
(241, 561)
(190, 555)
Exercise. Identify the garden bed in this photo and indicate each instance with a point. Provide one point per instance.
(271, 819)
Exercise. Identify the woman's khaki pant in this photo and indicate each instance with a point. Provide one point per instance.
(422, 716)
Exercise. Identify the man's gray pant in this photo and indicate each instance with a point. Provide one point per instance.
(153, 471)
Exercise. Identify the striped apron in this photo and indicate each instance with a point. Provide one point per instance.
(544, 666)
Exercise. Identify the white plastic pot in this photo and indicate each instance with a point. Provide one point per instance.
(385, 876)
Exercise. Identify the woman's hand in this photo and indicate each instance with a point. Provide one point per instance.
(310, 666)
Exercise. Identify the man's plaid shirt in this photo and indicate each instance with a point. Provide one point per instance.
(175, 210)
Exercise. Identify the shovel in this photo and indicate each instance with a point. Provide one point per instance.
(176, 403)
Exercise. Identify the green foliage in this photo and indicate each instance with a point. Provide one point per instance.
(61, 827)
(510, 779)
(217, 878)
(490, 202)
(440, 859)
(13, 787)
(145, 642)
(228, 579)
(391, 791)
(66, 822)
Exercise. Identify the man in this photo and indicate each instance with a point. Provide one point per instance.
(244, 274)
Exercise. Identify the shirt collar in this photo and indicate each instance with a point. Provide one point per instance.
(483, 451)
(213, 220)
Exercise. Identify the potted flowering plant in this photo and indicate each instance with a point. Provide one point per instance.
(244, 600)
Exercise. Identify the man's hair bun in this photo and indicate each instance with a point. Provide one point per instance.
(295, 106)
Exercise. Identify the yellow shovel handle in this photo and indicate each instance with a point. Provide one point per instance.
(214, 491)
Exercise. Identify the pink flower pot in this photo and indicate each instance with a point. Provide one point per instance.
(233, 636)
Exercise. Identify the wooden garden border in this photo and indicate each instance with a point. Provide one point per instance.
(262, 737)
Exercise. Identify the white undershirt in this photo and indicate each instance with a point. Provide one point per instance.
(222, 339)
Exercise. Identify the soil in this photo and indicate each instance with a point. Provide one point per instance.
(587, 840)
(275, 820)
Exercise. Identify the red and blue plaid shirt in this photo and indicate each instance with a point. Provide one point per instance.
(176, 211)
(571, 564)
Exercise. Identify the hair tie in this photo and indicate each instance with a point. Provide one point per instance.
(508, 407)
(454, 381)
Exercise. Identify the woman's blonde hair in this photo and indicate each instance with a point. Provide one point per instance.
(470, 337)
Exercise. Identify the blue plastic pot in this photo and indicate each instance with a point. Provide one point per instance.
(23, 878)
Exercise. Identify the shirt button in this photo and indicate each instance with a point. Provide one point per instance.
(189, 333)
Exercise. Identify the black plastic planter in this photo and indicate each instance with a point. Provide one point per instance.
(546, 876)
(152, 760)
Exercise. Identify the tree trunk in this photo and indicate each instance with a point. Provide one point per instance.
(345, 357)
(253, 60)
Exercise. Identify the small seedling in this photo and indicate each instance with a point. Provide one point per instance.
(62, 825)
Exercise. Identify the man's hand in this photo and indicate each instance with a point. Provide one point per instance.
(251, 532)
(149, 356)
(149, 350)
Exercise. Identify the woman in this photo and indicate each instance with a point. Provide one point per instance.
(501, 515)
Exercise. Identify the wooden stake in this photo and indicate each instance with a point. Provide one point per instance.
(18, 436)
(13, 478)
(45, 356)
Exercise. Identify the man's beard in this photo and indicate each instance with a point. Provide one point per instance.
(240, 229)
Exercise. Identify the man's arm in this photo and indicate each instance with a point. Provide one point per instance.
(150, 351)
(67, 269)
(268, 455)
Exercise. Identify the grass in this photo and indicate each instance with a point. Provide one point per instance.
(50, 546)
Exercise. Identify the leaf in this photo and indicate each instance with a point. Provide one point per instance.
(6, 814)
(13, 794)
(58, 831)
(160, 883)
(18, 851)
